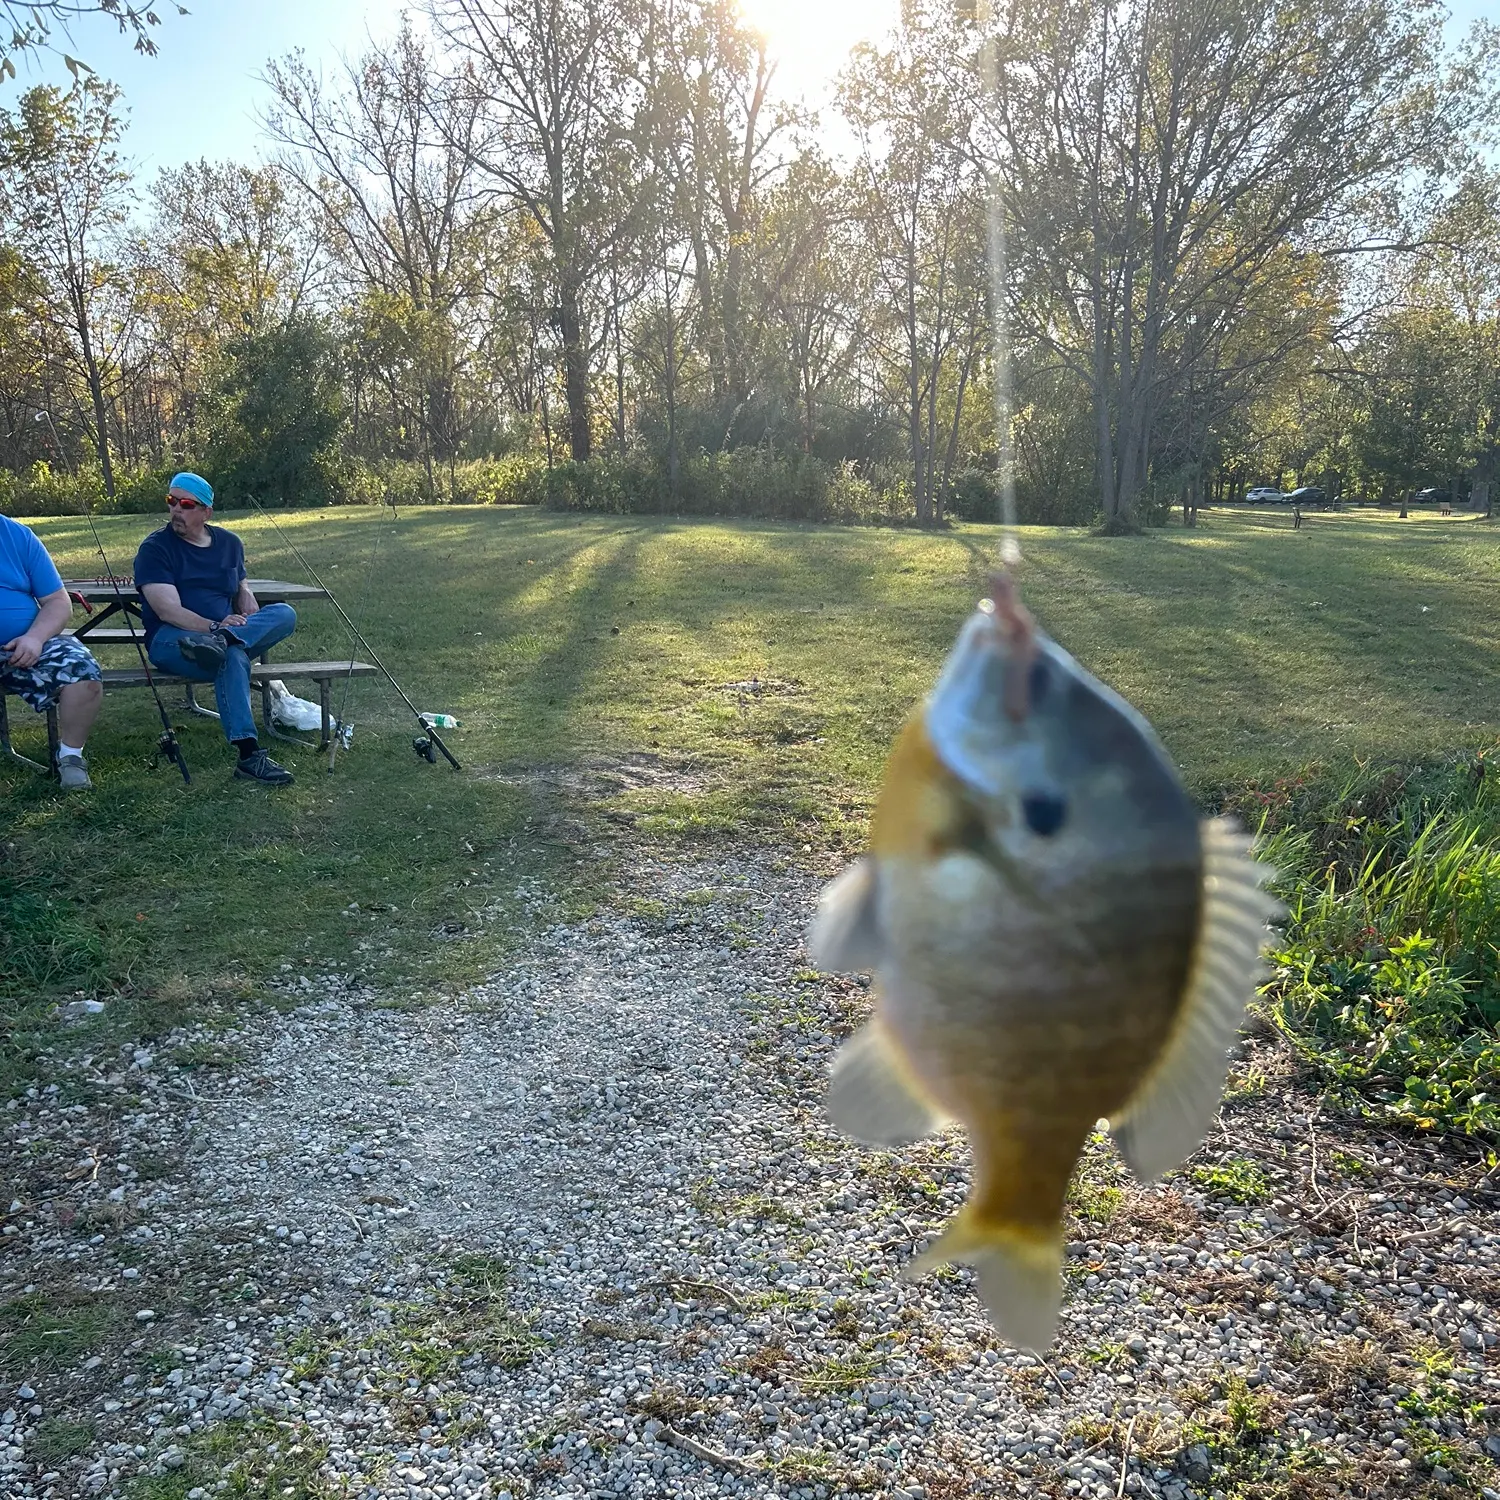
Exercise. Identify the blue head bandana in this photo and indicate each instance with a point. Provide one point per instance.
(195, 486)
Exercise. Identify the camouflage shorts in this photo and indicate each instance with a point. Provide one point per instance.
(63, 660)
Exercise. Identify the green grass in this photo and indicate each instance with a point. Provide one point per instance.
(42, 1332)
(1388, 979)
(251, 1459)
(468, 1314)
(562, 641)
(1236, 1178)
(57, 1439)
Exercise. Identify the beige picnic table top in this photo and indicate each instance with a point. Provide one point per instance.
(266, 590)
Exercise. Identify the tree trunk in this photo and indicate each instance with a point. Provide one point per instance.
(1104, 446)
(619, 380)
(669, 370)
(575, 371)
(921, 491)
(101, 415)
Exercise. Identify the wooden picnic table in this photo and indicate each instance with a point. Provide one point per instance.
(120, 596)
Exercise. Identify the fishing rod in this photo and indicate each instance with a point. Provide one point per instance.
(166, 744)
(429, 738)
(343, 718)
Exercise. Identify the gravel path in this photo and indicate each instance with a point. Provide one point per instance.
(586, 1232)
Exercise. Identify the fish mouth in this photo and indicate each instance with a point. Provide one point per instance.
(976, 716)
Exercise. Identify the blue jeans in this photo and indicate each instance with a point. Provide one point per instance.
(268, 625)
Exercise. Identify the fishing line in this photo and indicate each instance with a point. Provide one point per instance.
(349, 675)
(1010, 543)
(430, 737)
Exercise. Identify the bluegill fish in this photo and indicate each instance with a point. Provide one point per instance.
(1057, 938)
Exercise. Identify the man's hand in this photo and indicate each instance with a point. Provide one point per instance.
(232, 620)
(24, 650)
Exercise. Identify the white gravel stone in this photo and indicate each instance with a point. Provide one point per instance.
(585, 1230)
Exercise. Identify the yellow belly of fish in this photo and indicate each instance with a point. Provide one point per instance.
(1029, 1038)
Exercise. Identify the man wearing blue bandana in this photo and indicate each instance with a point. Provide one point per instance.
(202, 620)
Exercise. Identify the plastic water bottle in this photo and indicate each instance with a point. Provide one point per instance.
(440, 721)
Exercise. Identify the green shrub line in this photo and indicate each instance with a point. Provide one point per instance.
(1387, 977)
(749, 483)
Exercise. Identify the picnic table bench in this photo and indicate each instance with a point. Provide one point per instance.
(120, 598)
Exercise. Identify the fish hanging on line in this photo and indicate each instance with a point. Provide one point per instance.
(1056, 938)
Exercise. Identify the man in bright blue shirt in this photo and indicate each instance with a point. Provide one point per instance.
(37, 661)
(202, 619)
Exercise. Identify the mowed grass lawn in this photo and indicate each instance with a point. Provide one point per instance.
(563, 641)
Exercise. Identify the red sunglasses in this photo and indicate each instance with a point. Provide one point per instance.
(172, 501)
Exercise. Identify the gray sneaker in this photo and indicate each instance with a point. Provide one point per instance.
(260, 767)
(205, 648)
(73, 772)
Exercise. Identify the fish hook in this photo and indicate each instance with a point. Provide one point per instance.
(1014, 620)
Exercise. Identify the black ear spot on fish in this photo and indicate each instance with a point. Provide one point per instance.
(1044, 813)
(1037, 681)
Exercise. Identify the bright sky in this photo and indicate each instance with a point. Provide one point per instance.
(199, 97)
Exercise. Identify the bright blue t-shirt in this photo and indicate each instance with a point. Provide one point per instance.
(27, 575)
(207, 579)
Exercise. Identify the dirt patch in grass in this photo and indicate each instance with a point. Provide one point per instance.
(605, 777)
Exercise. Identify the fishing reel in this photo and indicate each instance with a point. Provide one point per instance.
(425, 749)
(167, 749)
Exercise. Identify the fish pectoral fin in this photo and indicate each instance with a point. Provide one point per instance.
(1172, 1111)
(845, 934)
(1019, 1272)
(872, 1095)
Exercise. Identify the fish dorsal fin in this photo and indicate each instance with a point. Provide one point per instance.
(845, 934)
(1170, 1114)
(872, 1095)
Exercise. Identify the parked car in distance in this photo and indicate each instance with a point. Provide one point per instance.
(1263, 495)
(1308, 496)
(1433, 497)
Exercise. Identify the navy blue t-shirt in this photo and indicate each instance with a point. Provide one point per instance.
(207, 579)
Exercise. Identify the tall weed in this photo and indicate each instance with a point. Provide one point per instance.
(1388, 977)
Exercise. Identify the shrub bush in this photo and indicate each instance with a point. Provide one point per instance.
(516, 479)
(974, 495)
(139, 492)
(41, 491)
(747, 482)
(1388, 979)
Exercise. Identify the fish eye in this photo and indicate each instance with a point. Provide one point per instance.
(1044, 813)
(1038, 681)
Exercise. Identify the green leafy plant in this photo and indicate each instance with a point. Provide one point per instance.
(1388, 980)
(1236, 1177)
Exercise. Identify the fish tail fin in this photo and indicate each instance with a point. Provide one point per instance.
(1019, 1270)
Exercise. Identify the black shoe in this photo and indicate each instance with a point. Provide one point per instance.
(205, 648)
(260, 767)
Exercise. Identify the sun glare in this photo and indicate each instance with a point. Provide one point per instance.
(811, 39)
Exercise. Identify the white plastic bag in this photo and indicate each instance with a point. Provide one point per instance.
(290, 712)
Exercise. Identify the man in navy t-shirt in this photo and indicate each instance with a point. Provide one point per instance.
(37, 661)
(202, 620)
